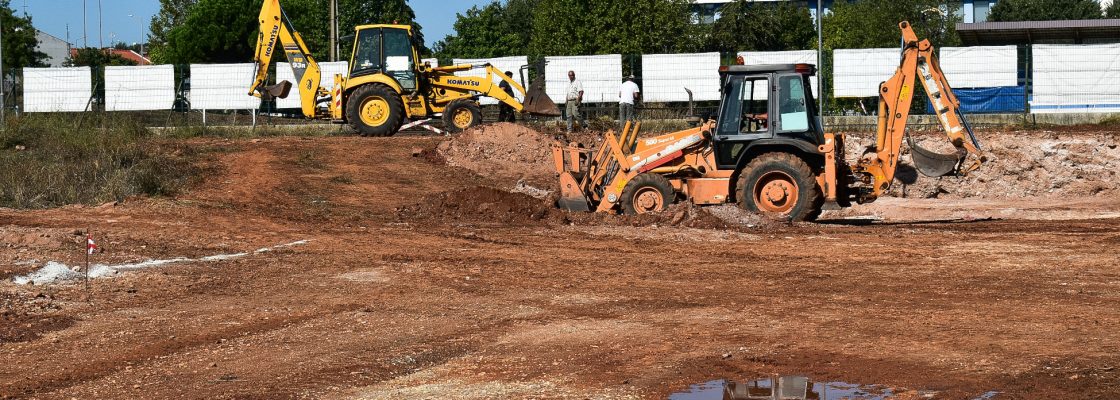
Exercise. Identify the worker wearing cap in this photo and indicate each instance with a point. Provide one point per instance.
(627, 97)
(505, 111)
(573, 100)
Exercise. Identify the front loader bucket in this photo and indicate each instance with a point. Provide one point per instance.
(571, 198)
(934, 164)
(537, 101)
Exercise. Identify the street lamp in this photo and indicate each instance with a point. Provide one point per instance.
(139, 23)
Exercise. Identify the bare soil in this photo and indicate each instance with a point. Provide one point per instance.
(426, 280)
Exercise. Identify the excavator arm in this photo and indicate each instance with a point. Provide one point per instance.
(895, 98)
(276, 30)
(536, 101)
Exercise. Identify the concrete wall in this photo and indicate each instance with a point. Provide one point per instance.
(57, 50)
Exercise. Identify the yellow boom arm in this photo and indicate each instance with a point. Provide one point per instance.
(276, 30)
(895, 98)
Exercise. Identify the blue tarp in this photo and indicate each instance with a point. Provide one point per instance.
(1007, 99)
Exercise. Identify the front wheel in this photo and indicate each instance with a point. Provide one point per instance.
(460, 115)
(780, 186)
(375, 110)
(647, 193)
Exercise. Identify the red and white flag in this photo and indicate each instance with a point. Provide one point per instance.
(91, 247)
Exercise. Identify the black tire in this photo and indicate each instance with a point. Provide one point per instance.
(461, 115)
(780, 186)
(647, 193)
(388, 124)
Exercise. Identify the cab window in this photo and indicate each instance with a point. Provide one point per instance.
(793, 109)
(367, 52)
(398, 58)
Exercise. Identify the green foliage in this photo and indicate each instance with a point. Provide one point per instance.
(1044, 10)
(580, 27)
(214, 31)
(495, 30)
(1113, 10)
(93, 57)
(19, 40)
(748, 25)
(172, 13)
(874, 23)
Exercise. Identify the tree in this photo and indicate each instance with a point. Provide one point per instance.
(582, 27)
(20, 40)
(1044, 10)
(1113, 10)
(748, 25)
(172, 13)
(495, 30)
(874, 23)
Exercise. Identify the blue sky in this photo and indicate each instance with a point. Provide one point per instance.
(53, 16)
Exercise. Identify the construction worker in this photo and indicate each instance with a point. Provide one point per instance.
(505, 112)
(627, 98)
(573, 100)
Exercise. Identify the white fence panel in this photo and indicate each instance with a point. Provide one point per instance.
(858, 73)
(784, 57)
(980, 67)
(434, 61)
(56, 89)
(222, 87)
(601, 76)
(665, 76)
(511, 64)
(326, 80)
(150, 87)
(1076, 78)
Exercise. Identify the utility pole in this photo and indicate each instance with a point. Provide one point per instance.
(85, 27)
(820, 61)
(2, 80)
(100, 28)
(334, 30)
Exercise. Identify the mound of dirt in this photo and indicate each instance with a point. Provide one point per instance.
(478, 204)
(504, 152)
(1020, 164)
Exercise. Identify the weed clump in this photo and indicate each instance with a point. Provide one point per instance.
(50, 160)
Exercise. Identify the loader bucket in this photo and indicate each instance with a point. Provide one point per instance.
(571, 198)
(537, 101)
(278, 91)
(933, 164)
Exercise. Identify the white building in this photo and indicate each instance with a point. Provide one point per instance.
(57, 50)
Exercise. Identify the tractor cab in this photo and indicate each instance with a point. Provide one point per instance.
(765, 104)
(385, 49)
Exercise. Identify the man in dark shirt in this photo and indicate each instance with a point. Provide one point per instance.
(505, 112)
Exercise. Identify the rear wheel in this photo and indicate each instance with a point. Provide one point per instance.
(780, 186)
(460, 115)
(375, 110)
(647, 193)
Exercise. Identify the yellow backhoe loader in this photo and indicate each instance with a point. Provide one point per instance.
(386, 83)
(766, 150)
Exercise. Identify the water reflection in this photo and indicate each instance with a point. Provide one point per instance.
(784, 388)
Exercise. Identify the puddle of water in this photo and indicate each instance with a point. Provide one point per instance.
(795, 388)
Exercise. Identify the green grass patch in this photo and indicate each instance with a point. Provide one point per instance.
(50, 160)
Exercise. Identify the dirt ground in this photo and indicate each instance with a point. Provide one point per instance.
(420, 279)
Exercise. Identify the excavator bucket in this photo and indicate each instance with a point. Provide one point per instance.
(537, 101)
(279, 90)
(571, 197)
(933, 164)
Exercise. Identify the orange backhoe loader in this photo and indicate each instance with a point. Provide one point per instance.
(767, 150)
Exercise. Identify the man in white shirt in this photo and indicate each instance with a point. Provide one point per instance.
(627, 97)
(573, 100)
